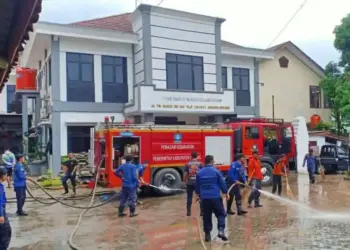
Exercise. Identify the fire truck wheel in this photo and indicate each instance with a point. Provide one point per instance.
(168, 178)
(267, 172)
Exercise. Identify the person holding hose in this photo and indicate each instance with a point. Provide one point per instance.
(310, 161)
(236, 175)
(209, 182)
(5, 227)
(19, 183)
(9, 160)
(191, 171)
(129, 175)
(254, 172)
(70, 167)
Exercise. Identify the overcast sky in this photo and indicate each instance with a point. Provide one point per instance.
(248, 22)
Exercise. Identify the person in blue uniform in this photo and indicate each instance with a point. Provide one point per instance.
(310, 161)
(5, 227)
(191, 170)
(141, 169)
(209, 183)
(129, 175)
(8, 159)
(19, 184)
(236, 174)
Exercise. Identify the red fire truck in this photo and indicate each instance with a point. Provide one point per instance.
(167, 148)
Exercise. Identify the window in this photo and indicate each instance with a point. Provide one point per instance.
(327, 103)
(283, 61)
(315, 97)
(241, 81)
(78, 139)
(252, 133)
(114, 79)
(184, 72)
(224, 77)
(11, 97)
(80, 77)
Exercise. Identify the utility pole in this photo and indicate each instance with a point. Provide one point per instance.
(273, 108)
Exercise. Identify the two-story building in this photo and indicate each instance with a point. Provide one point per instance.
(154, 65)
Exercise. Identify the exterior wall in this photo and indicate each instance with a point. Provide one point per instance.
(81, 119)
(170, 34)
(98, 49)
(290, 87)
(230, 62)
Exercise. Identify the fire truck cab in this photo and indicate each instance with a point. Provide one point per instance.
(270, 137)
(166, 149)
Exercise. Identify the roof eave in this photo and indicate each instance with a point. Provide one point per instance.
(248, 52)
(85, 32)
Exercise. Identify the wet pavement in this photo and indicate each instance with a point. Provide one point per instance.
(162, 223)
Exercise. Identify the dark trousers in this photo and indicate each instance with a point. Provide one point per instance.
(190, 191)
(236, 193)
(5, 234)
(277, 184)
(311, 171)
(255, 195)
(72, 178)
(21, 198)
(211, 206)
(128, 195)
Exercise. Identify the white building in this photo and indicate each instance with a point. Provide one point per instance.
(153, 65)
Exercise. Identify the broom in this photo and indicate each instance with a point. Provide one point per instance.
(288, 189)
(322, 173)
(247, 191)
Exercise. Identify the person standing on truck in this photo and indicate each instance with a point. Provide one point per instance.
(310, 161)
(141, 169)
(129, 175)
(191, 170)
(70, 168)
(277, 174)
(9, 160)
(254, 172)
(5, 227)
(19, 183)
(209, 182)
(236, 175)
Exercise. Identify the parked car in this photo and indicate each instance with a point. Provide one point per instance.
(334, 159)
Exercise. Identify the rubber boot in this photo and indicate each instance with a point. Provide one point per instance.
(132, 212)
(207, 237)
(188, 211)
(229, 210)
(240, 211)
(222, 235)
(121, 212)
(74, 192)
(257, 204)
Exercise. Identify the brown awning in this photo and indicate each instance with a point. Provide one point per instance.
(16, 18)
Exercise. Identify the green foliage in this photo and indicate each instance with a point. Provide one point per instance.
(336, 83)
(64, 158)
(323, 126)
(342, 42)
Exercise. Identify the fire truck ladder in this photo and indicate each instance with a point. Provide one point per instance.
(154, 127)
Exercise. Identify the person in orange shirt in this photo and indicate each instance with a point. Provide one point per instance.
(255, 175)
(277, 174)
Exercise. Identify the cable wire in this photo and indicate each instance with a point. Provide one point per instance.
(160, 2)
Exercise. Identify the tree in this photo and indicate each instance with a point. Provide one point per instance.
(331, 85)
(342, 42)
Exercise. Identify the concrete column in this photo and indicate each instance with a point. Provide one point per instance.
(148, 118)
(25, 120)
(37, 108)
(56, 142)
(256, 88)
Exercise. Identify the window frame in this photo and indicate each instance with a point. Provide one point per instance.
(327, 103)
(80, 83)
(313, 104)
(178, 59)
(237, 72)
(114, 83)
(224, 77)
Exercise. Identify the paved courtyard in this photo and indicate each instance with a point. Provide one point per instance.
(162, 223)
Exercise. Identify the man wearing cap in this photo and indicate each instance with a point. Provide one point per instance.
(254, 172)
(19, 183)
(71, 167)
